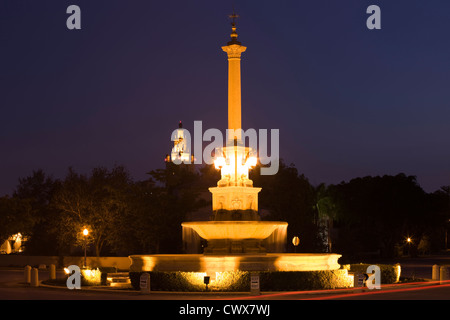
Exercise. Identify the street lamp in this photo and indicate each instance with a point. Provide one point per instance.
(409, 241)
(85, 234)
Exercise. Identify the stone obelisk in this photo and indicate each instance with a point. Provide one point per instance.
(234, 197)
(234, 50)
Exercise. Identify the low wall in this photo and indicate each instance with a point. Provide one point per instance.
(12, 260)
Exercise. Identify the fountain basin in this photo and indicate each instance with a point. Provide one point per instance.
(234, 230)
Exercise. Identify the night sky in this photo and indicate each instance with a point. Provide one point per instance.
(348, 101)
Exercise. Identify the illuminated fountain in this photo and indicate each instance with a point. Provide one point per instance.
(235, 226)
(236, 237)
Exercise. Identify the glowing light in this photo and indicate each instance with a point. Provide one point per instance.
(251, 162)
(235, 163)
(219, 162)
(16, 237)
(218, 281)
(92, 276)
(85, 232)
(66, 271)
(307, 262)
(351, 278)
(399, 271)
(194, 278)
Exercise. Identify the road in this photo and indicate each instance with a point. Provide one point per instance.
(13, 288)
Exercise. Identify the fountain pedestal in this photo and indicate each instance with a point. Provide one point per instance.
(231, 198)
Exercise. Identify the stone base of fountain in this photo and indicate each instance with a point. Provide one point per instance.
(238, 245)
(245, 262)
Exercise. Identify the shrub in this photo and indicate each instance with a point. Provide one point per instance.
(91, 277)
(389, 273)
(239, 281)
(304, 280)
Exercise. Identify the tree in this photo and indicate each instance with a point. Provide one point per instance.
(326, 210)
(181, 186)
(439, 206)
(15, 217)
(378, 213)
(289, 196)
(97, 201)
(142, 224)
(37, 191)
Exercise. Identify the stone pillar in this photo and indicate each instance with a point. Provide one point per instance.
(435, 273)
(52, 275)
(35, 277)
(444, 274)
(27, 274)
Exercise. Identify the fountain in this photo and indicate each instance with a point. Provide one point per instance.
(236, 237)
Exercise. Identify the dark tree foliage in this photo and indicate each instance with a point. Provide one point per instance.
(289, 196)
(37, 191)
(180, 190)
(16, 216)
(96, 202)
(379, 213)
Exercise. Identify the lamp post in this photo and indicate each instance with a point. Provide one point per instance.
(409, 241)
(85, 234)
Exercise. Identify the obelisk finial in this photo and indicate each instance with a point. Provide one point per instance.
(233, 17)
(234, 34)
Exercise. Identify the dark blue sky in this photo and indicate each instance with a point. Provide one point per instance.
(348, 101)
